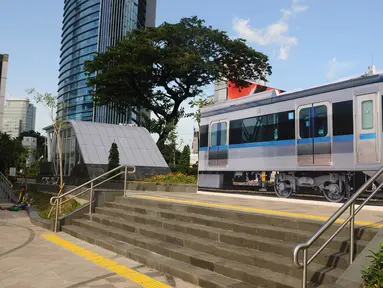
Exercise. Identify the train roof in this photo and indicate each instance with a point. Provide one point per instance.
(268, 97)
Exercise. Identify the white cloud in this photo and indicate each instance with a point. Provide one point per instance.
(283, 53)
(336, 67)
(276, 33)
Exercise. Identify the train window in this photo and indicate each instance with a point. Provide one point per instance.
(367, 115)
(214, 134)
(304, 123)
(286, 125)
(222, 133)
(204, 131)
(235, 136)
(342, 118)
(272, 127)
(254, 129)
(320, 126)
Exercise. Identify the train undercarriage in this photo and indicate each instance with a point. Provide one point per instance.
(335, 186)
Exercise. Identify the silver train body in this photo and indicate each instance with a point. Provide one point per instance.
(326, 138)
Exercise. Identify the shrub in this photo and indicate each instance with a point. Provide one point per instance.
(174, 178)
(372, 275)
(188, 171)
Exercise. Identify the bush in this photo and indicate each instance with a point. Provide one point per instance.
(193, 171)
(372, 275)
(174, 178)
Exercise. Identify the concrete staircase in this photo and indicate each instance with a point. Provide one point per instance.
(213, 247)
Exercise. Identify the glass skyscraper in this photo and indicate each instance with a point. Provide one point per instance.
(89, 27)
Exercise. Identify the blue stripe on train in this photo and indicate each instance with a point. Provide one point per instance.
(338, 138)
(367, 136)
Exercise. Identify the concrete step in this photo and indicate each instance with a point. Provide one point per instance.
(259, 277)
(329, 258)
(213, 227)
(182, 270)
(232, 258)
(243, 217)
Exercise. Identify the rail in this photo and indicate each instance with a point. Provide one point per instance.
(350, 204)
(8, 186)
(57, 200)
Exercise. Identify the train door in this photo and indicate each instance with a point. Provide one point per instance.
(314, 134)
(367, 139)
(218, 143)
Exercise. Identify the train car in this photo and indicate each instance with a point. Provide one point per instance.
(327, 138)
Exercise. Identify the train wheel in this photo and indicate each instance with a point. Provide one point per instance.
(283, 189)
(333, 193)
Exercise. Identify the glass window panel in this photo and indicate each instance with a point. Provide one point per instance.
(367, 115)
(214, 134)
(223, 129)
(321, 125)
(304, 123)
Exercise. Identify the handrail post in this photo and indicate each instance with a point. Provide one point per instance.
(125, 179)
(304, 276)
(91, 198)
(57, 214)
(352, 231)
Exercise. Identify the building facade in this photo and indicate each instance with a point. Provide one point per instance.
(3, 82)
(89, 27)
(19, 116)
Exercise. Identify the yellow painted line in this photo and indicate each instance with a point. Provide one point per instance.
(257, 210)
(132, 275)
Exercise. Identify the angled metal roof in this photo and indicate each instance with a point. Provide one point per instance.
(135, 144)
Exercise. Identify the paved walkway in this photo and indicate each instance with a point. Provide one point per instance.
(305, 209)
(27, 259)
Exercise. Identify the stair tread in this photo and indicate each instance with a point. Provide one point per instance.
(281, 260)
(266, 274)
(289, 244)
(325, 254)
(296, 231)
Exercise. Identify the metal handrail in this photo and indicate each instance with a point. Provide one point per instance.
(6, 180)
(55, 200)
(350, 204)
(9, 184)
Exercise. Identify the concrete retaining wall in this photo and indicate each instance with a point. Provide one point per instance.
(161, 187)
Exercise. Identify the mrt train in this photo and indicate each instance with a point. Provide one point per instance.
(327, 138)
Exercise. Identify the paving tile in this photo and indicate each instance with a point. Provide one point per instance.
(39, 263)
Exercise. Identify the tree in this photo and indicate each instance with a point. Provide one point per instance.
(114, 158)
(185, 158)
(158, 68)
(40, 149)
(11, 152)
(50, 101)
(199, 103)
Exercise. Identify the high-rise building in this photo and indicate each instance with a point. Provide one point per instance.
(3, 82)
(89, 27)
(19, 116)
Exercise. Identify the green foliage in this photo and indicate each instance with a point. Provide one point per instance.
(193, 171)
(40, 200)
(199, 104)
(11, 153)
(173, 178)
(40, 147)
(372, 275)
(34, 170)
(114, 158)
(158, 68)
(185, 158)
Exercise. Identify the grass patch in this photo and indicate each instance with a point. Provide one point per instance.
(173, 178)
(43, 206)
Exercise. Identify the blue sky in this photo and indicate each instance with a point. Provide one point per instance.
(309, 42)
